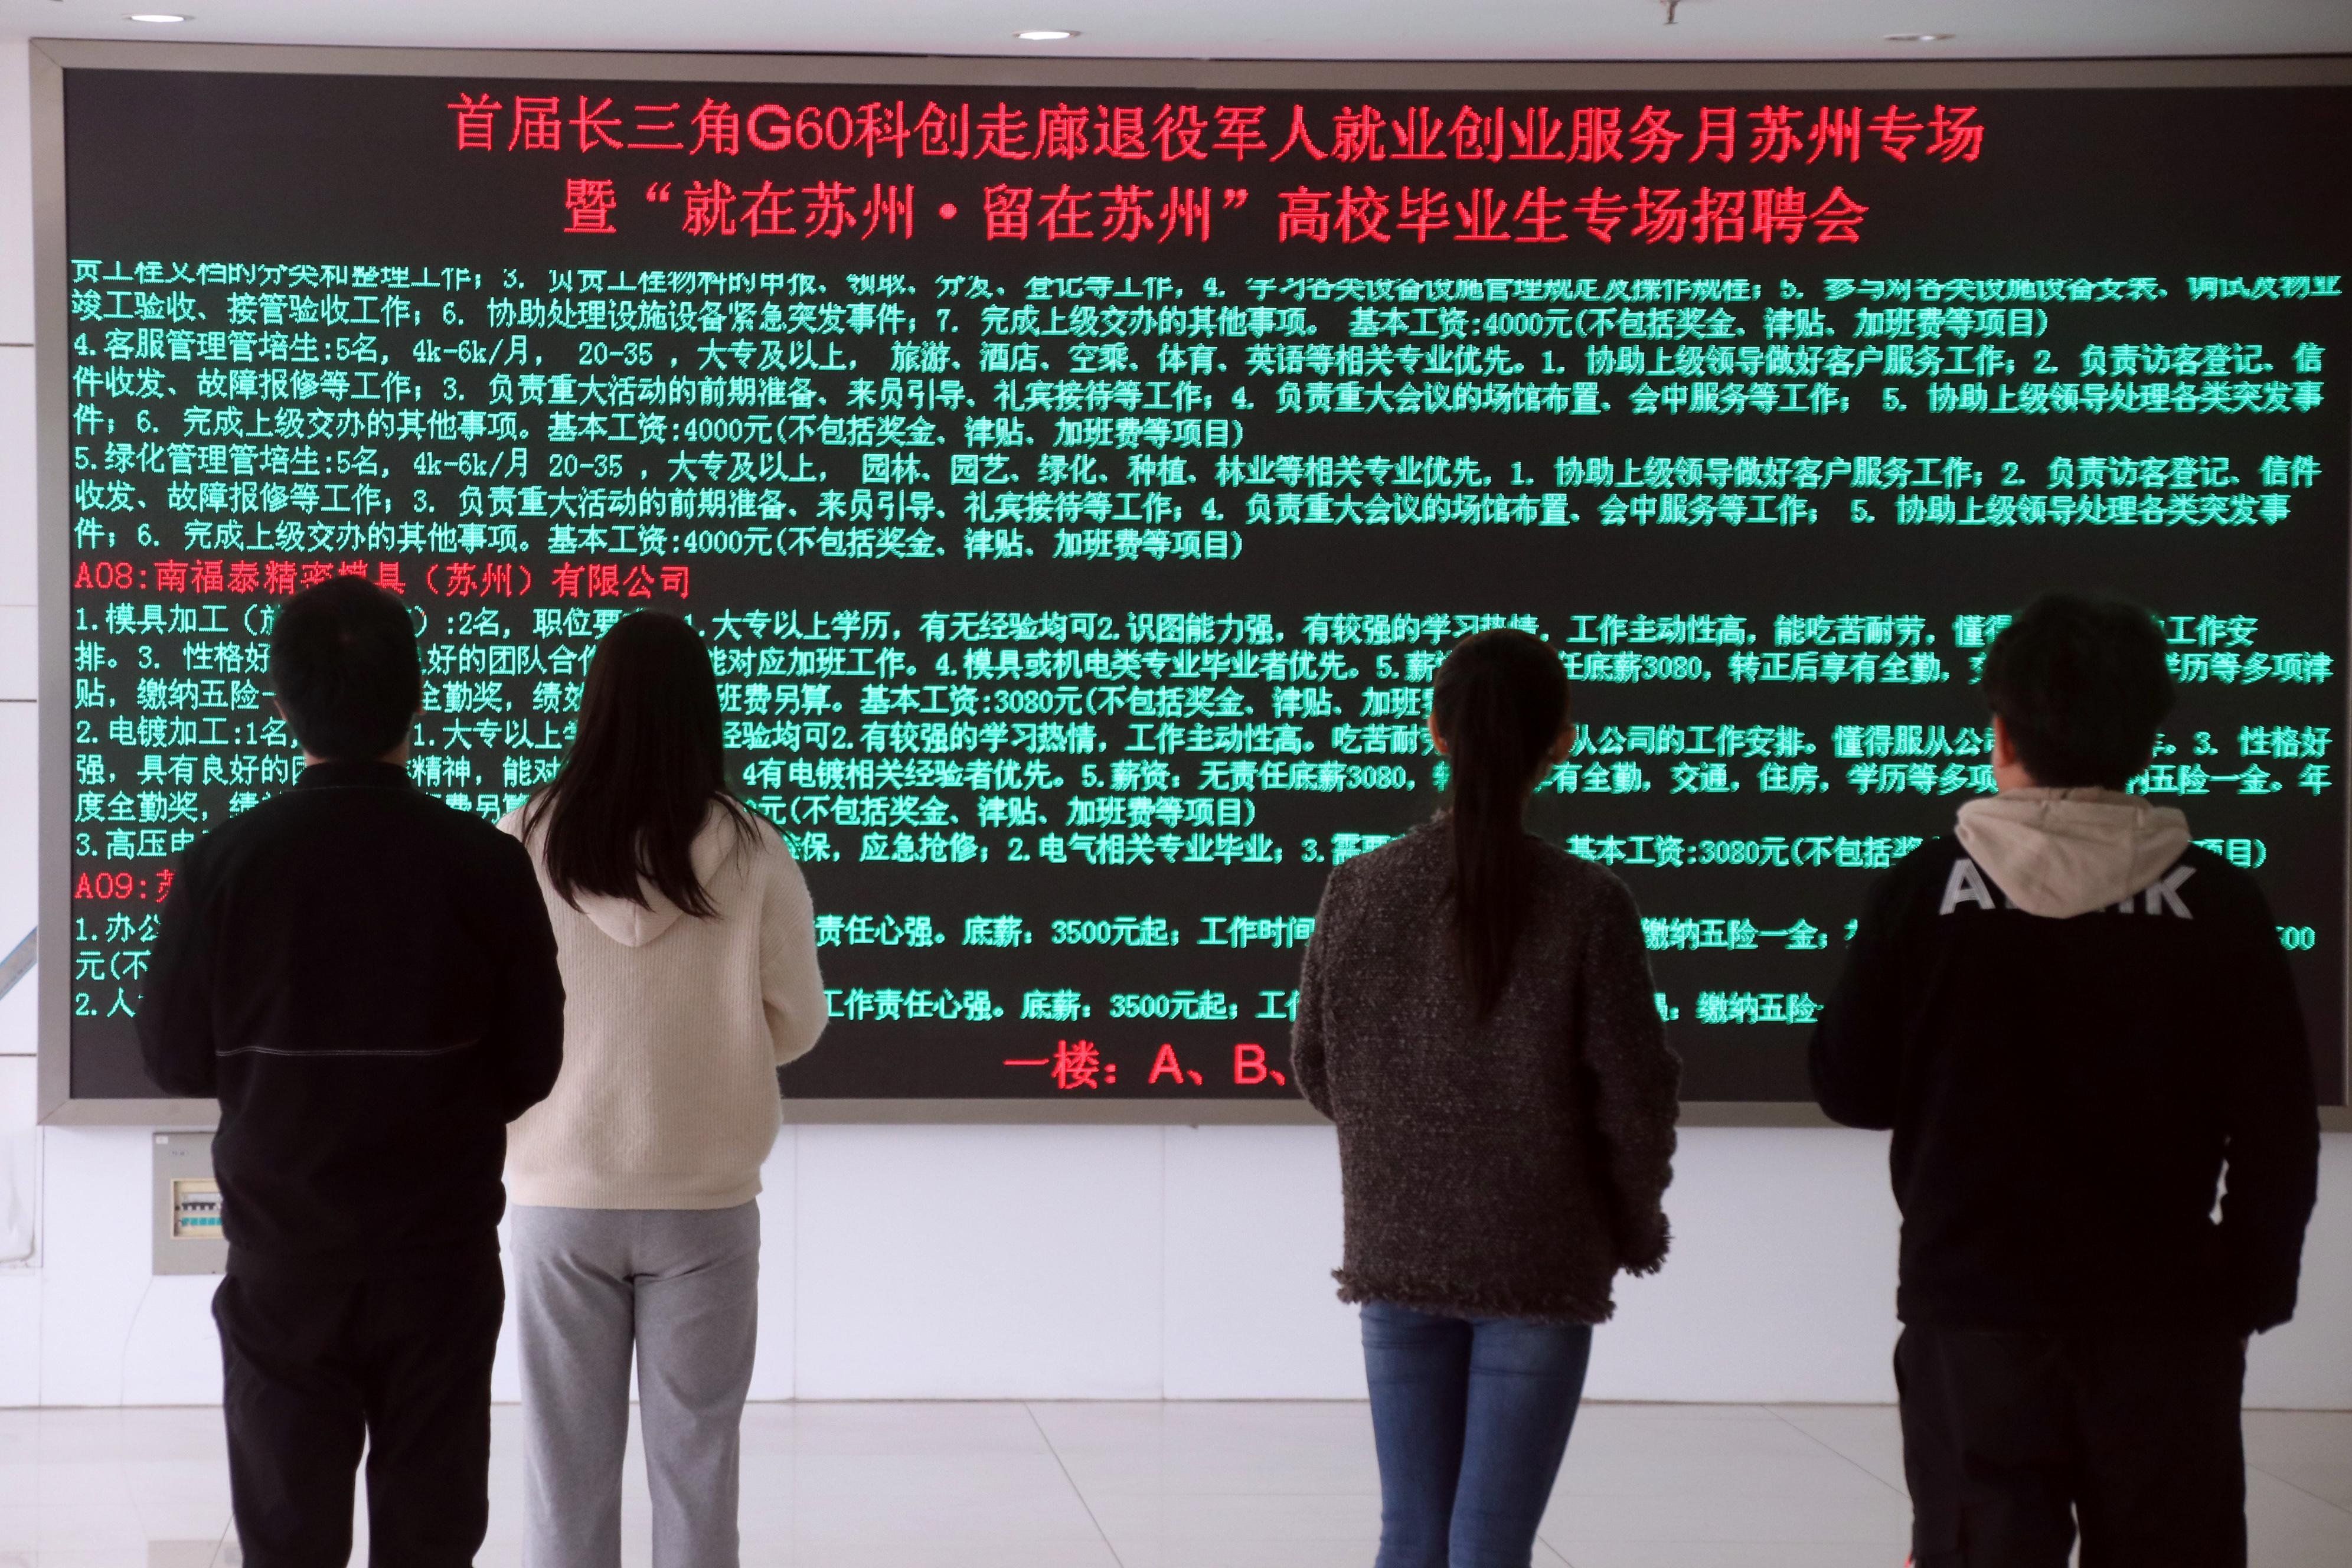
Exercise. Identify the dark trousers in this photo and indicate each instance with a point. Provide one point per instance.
(2011, 1440)
(315, 1366)
(1470, 1418)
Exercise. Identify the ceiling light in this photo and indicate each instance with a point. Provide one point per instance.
(158, 18)
(1044, 34)
(1919, 37)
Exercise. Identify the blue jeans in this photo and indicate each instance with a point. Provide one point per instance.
(1470, 1417)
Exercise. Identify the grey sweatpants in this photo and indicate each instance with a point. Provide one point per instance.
(681, 1286)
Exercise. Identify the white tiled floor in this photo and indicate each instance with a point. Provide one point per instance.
(1011, 1485)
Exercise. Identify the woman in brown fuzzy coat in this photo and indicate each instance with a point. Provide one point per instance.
(1477, 1017)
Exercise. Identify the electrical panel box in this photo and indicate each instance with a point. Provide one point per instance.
(187, 1206)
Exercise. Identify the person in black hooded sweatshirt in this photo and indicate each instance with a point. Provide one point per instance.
(2074, 1021)
(366, 980)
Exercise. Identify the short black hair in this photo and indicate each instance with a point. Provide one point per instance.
(2080, 685)
(342, 658)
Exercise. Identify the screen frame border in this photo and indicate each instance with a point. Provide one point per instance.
(50, 59)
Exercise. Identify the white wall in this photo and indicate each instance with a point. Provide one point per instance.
(1127, 1262)
(928, 1262)
(20, 1143)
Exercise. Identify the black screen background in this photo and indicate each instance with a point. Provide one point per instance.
(2095, 182)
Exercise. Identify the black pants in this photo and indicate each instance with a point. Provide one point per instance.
(315, 1366)
(2011, 1439)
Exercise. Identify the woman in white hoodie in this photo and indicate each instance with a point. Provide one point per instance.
(688, 953)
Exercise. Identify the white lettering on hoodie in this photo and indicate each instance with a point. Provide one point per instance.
(1965, 885)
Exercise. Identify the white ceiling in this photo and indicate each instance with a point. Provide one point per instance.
(1353, 29)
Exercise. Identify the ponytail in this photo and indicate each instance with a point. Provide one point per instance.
(1498, 704)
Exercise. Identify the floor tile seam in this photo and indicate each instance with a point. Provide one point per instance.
(1676, 1548)
(1880, 1498)
(1221, 1491)
(1072, 1481)
(1903, 1492)
(1543, 1543)
(2292, 1486)
(1706, 1505)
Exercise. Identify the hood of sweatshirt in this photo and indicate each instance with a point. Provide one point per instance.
(638, 925)
(2060, 852)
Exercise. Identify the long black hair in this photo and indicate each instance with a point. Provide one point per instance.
(1499, 703)
(644, 771)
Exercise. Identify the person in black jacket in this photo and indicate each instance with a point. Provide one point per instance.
(2074, 1020)
(366, 981)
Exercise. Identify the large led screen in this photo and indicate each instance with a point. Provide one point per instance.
(1078, 486)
